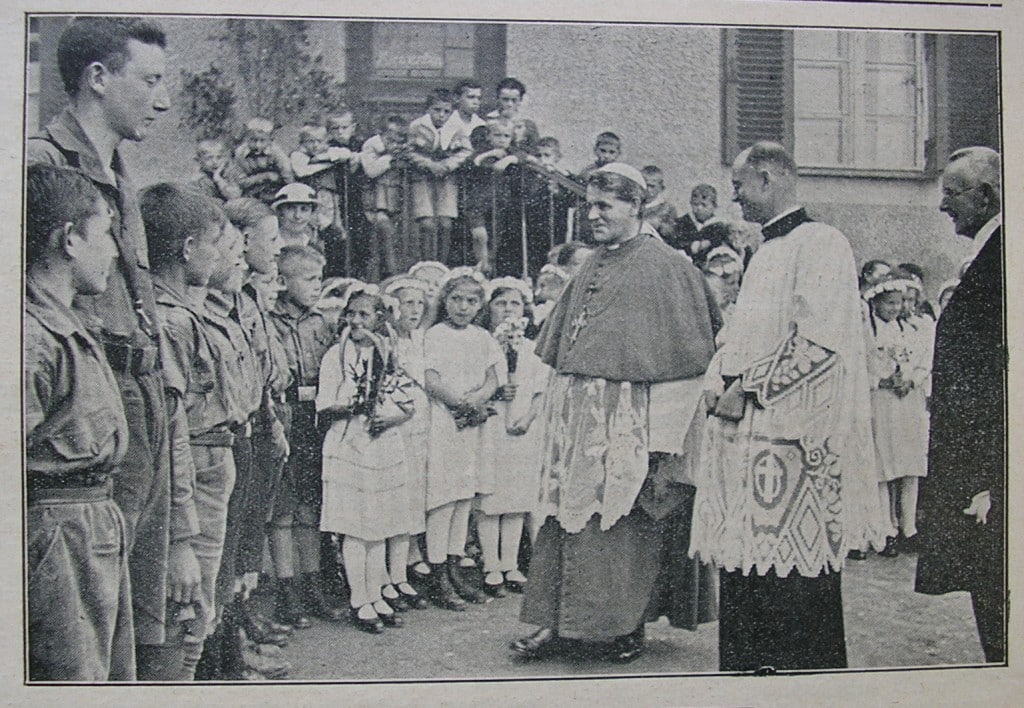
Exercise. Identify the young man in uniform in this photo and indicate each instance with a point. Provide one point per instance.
(113, 71)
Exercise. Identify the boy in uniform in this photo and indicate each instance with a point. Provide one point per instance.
(306, 334)
(76, 434)
(183, 231)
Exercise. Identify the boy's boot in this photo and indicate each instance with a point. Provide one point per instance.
(440, 588)
(463, 585)
(287, 609)
(313, 596)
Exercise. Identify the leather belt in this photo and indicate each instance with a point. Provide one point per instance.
(70, 488)
(214, 438)
(132, 360)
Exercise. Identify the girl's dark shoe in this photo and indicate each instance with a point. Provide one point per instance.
(390, 619)
(890, 548)
(373, 625)
(412, 600)
(495, 589)
(513, 583)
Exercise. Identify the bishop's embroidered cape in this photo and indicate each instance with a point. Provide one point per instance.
(635, 315)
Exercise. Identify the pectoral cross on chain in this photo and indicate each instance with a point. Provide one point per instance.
(578, 323)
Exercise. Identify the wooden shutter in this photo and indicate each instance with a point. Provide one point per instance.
(757, 89)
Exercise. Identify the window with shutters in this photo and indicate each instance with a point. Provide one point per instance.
(843, 102)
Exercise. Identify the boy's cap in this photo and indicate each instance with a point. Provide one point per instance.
(294, 193)
(623, 170)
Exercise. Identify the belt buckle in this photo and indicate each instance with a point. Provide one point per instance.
(143, 359)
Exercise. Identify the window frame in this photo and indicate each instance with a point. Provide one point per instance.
(733, 82)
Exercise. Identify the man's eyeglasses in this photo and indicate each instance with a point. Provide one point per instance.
(946, 194)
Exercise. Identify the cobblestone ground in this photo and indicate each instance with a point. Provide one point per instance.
(887, 625)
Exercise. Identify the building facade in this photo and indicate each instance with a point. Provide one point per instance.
(869, 115)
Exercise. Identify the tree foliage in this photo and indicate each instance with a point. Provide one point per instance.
(267, 69)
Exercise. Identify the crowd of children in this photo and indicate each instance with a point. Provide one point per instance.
(361, 394)
(449, 186)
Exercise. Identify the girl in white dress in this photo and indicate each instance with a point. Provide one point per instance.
(411, 297)
(365, 397)
(512, 437)
(899, 370)
(461, 362)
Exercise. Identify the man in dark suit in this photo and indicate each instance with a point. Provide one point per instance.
(962, 500)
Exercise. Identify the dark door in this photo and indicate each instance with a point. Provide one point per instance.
(391, 66)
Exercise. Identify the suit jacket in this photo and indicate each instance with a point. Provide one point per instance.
(966, 453)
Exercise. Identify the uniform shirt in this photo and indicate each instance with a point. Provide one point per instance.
(306, 335)
(74, 419)
(190, 368)
(236, 362)
(115, 308)
(281, 375)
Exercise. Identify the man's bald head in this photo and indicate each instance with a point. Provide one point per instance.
(971, 188)
(764, 181)
(766, 155)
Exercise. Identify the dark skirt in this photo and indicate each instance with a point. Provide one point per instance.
(687, 590)
(787, 623)
(593, 585)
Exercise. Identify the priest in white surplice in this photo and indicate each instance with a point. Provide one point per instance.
(787, 481)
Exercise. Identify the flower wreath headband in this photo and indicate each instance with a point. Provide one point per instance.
(510, 283)
(437, 265)
(406, 282)
(893, 285)
(361, 288)
(462, 272)
(554, 270)
(733, 265)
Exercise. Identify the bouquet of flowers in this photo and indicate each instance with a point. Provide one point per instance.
(510, 335)
(898, 356)
(382, 392)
